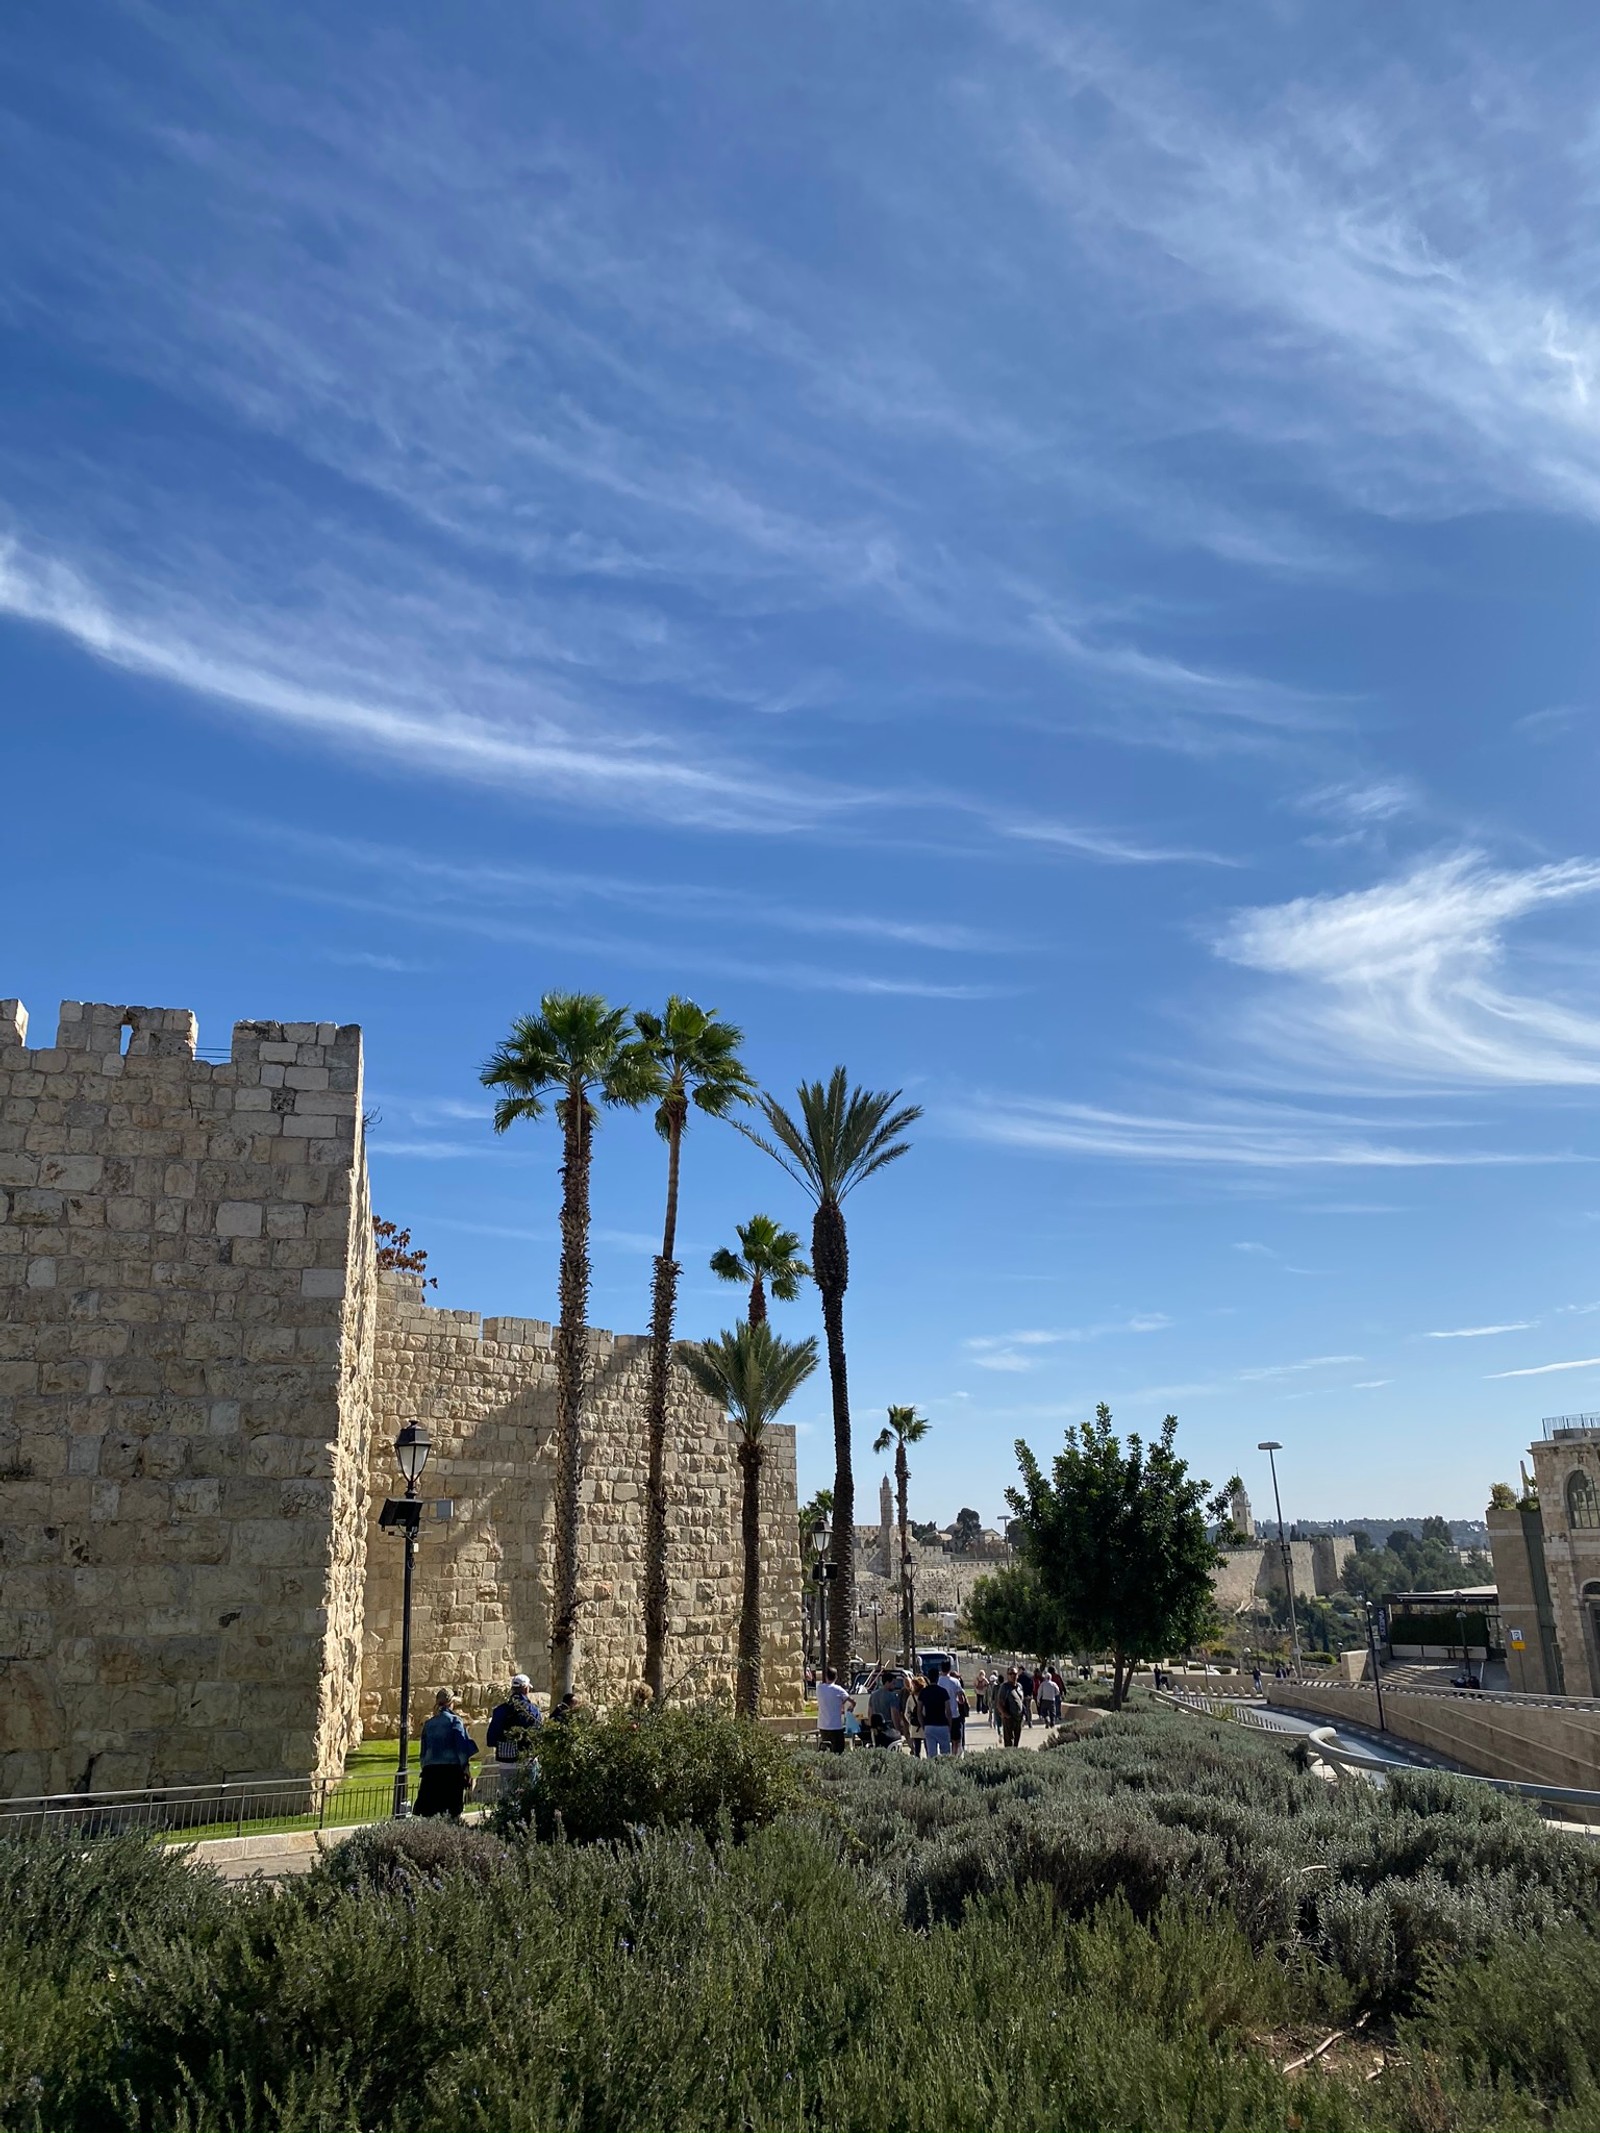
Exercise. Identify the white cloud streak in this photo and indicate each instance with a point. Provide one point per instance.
(1256, 1137)
(1544, 1370)
(1403, 979)
(1478, 1333)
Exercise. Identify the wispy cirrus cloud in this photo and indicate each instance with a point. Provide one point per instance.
(1478, 1333)
(1544, 1370)
(1259, 1136)
(1397, 308)
(1402, 980)
(1017, 1352)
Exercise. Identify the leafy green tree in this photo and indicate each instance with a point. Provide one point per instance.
(768, 1258)
(1373, 1574)
(1121, 1541)
(906, 1426)
(697, 1063)
(582, 1054)
(754, 1374)
(840, 1137)
(968, 1529)
(1010, 1611)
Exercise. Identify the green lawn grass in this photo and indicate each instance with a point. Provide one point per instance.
(364, 1794)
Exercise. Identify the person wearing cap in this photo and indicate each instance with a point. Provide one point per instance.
(513, 1724)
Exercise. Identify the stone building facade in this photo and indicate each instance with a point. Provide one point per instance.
(1547, 1563)
(200, 1376)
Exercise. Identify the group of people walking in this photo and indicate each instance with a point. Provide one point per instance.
(930, 1712)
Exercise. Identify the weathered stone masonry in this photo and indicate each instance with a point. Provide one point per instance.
(200, 1376)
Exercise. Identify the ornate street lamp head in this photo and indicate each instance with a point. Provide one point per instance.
(411, 1449)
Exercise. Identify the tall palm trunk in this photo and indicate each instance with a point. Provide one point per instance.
(572, 1357)
(663, 1308)
(902, 1482)
(830, 1263)
(757, 1313)
(748, 1692)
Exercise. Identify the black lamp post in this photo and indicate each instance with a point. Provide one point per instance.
(404, 1515)
(821, 1571)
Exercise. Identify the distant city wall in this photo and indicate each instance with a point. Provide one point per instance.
(486, 1390)
(1543, 1744)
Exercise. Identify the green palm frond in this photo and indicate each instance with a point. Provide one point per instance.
(576, 1045)
(906, 1426)
(841, 1137)
(751, 1372)
(697, 1062)
(768, 1252)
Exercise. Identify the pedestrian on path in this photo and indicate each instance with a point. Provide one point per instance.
(937, 1708)
(447, 1752)
(886, 1721)
(1009, 1707)
(831, 1701)
(981, 1685)
(1049, 1701)
(914, 1713)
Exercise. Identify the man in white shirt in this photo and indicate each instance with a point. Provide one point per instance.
(831, 1700)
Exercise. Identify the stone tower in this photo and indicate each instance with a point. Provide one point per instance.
(201, 1375)
(1244, 1520)
(886, 1527)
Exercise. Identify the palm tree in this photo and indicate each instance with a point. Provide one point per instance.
(768, 1256)
(906, 1426)
(754, 1374)
(696, 1059)
(841, 1137)
(577, 1050)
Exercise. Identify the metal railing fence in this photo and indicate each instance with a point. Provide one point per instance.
(233, 1807)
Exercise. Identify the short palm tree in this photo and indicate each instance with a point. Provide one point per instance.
(906, 1426)
(768, 1257)
(582, 1054)
(841, 1137)
(697, 1061)
(754, 1375)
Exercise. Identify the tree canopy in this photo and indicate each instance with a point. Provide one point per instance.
(1009, 1611)
(1120, 1540)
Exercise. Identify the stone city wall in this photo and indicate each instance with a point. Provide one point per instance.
(181, 1373)
(200, 1382)
(481, 1603)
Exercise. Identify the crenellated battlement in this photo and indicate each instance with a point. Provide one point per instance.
(405, 1297)
(109, 1032)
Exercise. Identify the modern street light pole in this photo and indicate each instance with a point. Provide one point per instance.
(411, 1449)
(1377, 1678)
(1271, 1447)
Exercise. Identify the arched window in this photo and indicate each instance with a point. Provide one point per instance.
(1583, 1503)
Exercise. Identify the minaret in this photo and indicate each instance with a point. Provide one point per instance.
(1242, 1515)
(886, 1526)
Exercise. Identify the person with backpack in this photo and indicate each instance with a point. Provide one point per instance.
(884, 1711)
(1008, 1704)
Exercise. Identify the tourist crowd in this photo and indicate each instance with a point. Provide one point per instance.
(930, 1713)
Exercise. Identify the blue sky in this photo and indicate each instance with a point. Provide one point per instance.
(1049, 559)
